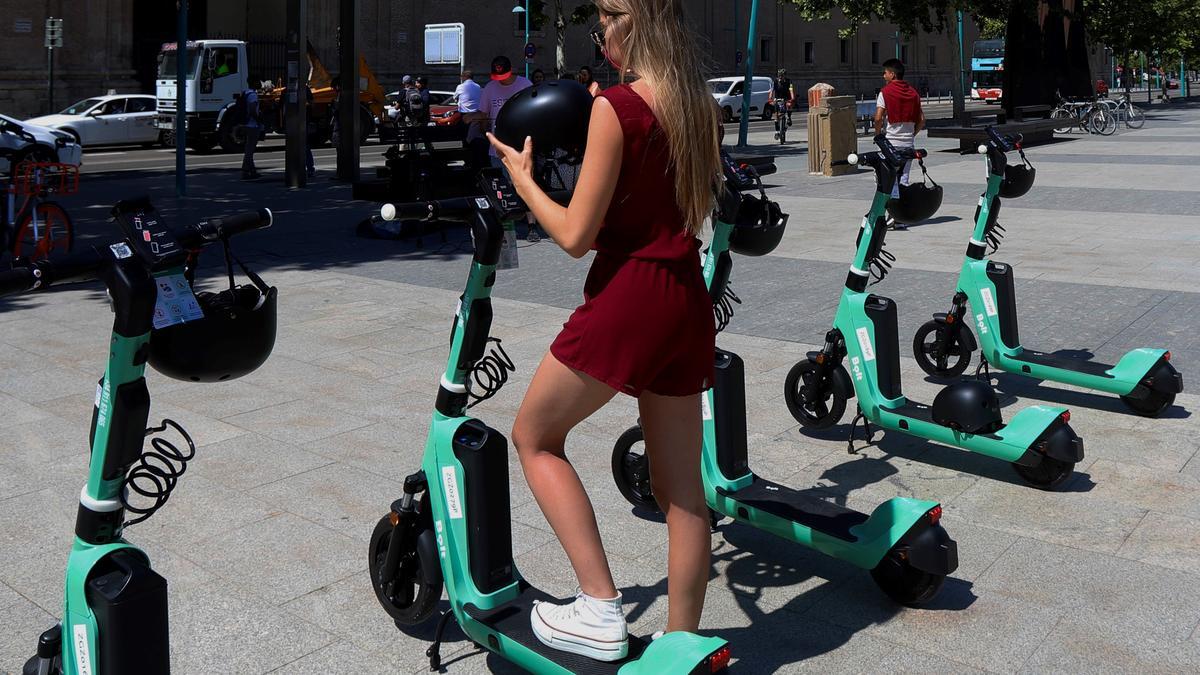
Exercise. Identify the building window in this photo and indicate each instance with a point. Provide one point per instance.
(843, 51)
(904, 53)
(808, 52)
(932, 56)
(874, 51)
(764, 50)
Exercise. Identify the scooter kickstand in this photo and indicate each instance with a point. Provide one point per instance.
(435, 650)
(984, 369)
(866, 431)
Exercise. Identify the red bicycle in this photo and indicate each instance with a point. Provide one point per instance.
(39, 227)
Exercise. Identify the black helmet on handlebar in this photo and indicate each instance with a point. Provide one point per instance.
(234, 338)
(555, 114)
(759, 227)
(917, 201)
(1018, 179)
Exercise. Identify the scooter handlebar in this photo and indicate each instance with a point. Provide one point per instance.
(221, 228)
(450, 209)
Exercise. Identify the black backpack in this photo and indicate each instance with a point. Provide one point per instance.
(239, 114)
(416, 104)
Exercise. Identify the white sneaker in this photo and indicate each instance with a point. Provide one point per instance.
(588, 626)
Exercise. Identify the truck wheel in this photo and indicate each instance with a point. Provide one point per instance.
(202, 144)
(232, 138)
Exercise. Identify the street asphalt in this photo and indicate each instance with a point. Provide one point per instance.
(264, 541)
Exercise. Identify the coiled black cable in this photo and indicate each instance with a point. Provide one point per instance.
(880, 265)
(723, 308)
(156, 472)
(993, 235)
(490, 373)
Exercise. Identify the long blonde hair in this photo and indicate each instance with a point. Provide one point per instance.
(656, 43)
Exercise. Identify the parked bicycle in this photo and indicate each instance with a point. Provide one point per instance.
(1125, 111)
(1089, 116)
(35, 227)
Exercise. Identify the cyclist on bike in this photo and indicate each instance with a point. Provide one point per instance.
(782, 90)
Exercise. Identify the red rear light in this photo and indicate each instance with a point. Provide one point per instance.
(719, 660)
(935, 515)
(1167, 356)
(1065, 417)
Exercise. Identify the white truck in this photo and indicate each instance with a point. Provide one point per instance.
(217, 75)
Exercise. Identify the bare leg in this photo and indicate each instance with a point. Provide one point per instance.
(674, 436)
(558, 399)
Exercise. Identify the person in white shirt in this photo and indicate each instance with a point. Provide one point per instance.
(504, 85)
(467, 94)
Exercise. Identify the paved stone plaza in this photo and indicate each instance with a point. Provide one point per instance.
(264, 542)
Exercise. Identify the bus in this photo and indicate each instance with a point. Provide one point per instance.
(987, 70)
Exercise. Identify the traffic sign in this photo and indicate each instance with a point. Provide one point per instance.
(54, 33)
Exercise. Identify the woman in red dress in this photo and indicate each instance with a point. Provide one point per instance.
(645, 328)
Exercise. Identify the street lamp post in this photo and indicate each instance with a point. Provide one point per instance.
(517, 9)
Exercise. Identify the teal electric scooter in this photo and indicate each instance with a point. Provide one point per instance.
(114, 617)
(901, 542)
(1144, 378)
(1039, 441)
(452, 527)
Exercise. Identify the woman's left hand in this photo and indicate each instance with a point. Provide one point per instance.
(518, 162)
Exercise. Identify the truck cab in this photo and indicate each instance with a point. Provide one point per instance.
(216, 74)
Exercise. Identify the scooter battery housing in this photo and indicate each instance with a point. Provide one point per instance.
(129, 601)
(729, 414)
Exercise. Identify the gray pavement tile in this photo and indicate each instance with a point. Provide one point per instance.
(298, 422)
(18, 412)
(1133, 598)
(281, 557)
(1087, 644)
(1166, 541)
(340, 657)
(225, 399)
(217, 630)
(23, 622)
(250, 460)
(1137, 486)
(908, 660)
(8, 596)
(344, 499)
(48, 383)
(200, 508)
(1071, 518)
(392, 449)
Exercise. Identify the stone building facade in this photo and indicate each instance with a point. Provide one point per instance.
(112, 44)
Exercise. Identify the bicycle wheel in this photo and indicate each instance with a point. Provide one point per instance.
(1134, 117)
(55, 233)
(1103, 122)
(1066, 118)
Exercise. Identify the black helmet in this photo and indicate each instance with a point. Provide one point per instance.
(759, 227)
(234, 338)
(969, 406)
(555, 114)
(917, 201)
(1017, 180)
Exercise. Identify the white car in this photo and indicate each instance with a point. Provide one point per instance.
(21, 141)
(108, 120)
(728, 93)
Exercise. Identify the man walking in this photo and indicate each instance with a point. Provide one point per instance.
(504, 85)
(253, 129)
(467, 95)
(898, 106)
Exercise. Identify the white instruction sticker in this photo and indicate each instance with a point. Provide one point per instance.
(99, 394)
(705, 406)
(864, 343)
(175, 303)
(450, 487)
(83, 653)
(989, 303)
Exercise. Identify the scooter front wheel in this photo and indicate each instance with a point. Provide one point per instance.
(940, 351)
(1152, 405)
(631, 469)
(815, 401)
(412, 595)
(906, 584)
(1047, 475)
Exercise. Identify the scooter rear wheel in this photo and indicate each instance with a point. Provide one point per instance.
(1152, 405)
(411, 598)
(932, 337)
(815, 402)
(631, 469)
(905, 584)
(1047, 475)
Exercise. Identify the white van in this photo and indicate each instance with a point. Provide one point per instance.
(728, 93)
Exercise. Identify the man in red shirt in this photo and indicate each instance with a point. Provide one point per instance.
(899, 107)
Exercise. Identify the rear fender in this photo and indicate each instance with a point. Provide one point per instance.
(840, 376)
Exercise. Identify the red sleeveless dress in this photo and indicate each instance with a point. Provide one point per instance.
(646, 323)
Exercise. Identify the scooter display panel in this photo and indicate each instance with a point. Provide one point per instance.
(512, 621)
(784, 502)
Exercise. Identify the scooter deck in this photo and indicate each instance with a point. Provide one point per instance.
(512, 621)
(789, 504)
(1037, 358)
